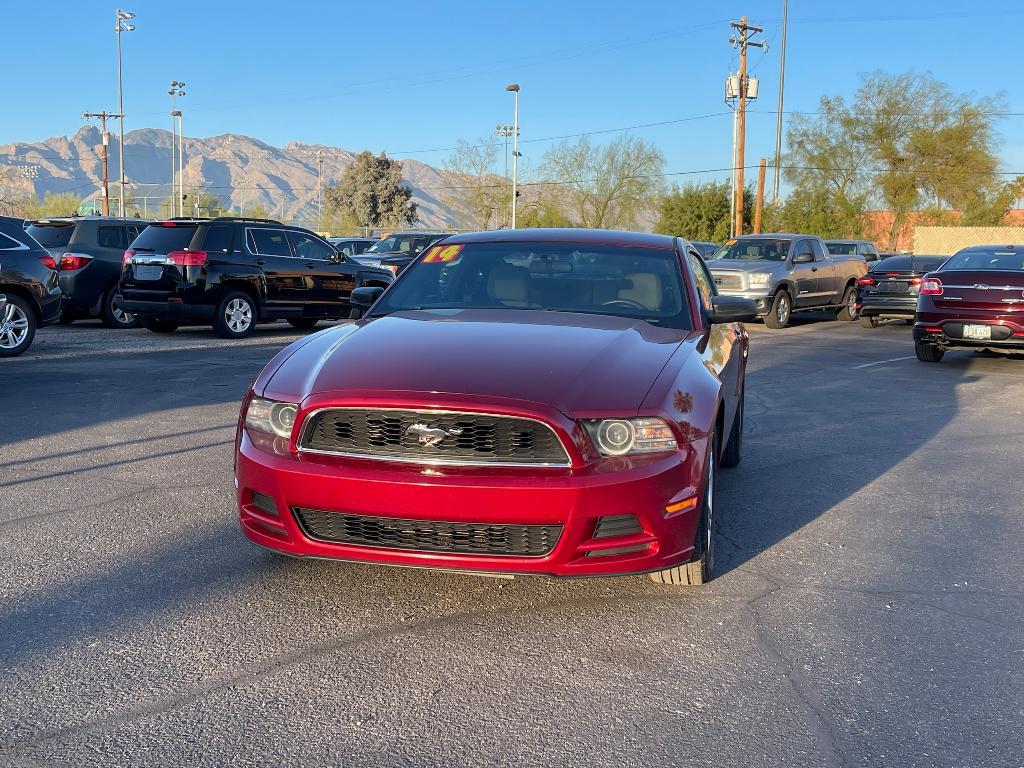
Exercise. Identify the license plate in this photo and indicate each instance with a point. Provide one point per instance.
(979, 332)
(148, 272)
(892, 287)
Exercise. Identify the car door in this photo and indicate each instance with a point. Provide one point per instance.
(332, 280)
(285, 279)
(804, 274)
(830, 283)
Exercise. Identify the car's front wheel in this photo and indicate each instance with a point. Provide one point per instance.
(235, 317)
(780, 310)
(113, 316)
(701, 569)
(17, 326)
(928, 353)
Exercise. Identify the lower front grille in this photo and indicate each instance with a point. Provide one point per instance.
(428, 535)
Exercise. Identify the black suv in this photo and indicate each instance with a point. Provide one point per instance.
(235, 272)
(88, 253)
(29, 293)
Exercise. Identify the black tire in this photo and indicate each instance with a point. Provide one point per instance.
(780, 311)
(701, 569)
(928, 353)
(849, 311)
(733, 452)
(235, 317)
(66, 318)
(868, 322)
(112, 317)
(17, 326)
(157, 325)
(303, 323)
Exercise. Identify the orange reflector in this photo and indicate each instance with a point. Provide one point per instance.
(682, 506)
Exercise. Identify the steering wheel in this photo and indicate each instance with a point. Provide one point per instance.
(629, 303)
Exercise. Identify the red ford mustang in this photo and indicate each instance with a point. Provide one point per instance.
(526, 401)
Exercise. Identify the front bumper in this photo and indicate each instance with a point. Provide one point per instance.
(761, 297)
(572, 498)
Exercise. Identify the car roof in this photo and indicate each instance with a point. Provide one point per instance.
(1008, 246)
(775, 236)
(64, 220)
(555, 235)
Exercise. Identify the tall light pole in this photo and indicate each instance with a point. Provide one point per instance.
(778, 119)
(177, 89)
(121, 25)
(514, 88)
(319, 189)
(504, 132)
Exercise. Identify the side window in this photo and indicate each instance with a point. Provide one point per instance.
(217, 239)
(113, 237)
(705, 285)
(819, 252)
(269, 242)
(9, 243)
(309, 247)
(348, 249)
(133, 232)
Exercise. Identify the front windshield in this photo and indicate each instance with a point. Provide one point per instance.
(401, 244)
(754, 249)
(842, 249)
(641, 283)
(994, 259)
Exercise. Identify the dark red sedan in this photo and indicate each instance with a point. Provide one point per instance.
(526, 401)
(974, 300)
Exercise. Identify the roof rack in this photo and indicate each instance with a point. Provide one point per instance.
(246, 218)
(187, 218)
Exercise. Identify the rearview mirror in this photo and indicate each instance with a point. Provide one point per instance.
(803, 258)
(732, 309)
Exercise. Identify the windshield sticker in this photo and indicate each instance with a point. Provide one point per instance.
(730, 242)
(443, 254)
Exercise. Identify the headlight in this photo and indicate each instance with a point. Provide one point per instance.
(618, 437)
(271, 417)
(759, 278)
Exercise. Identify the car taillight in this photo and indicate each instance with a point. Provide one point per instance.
(73, 261)
(866, 280)
(931, 286)
(915, 281)
(48, 262)
(187, 258)
(128, 256)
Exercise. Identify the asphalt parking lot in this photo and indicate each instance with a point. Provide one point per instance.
(870, 611)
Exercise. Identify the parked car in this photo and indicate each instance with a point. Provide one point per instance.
(863, 248)
(785, 272)
(235, 272)
(706, 250)
(29, 290)
(889, 290)
(351, 247)
(524, 401)
(396, 251)
(975, 300)
(88, 252)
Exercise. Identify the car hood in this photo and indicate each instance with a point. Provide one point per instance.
(740, 265)
(580, 364)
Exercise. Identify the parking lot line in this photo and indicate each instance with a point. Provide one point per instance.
(882, 362)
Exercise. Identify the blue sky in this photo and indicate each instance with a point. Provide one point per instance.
(412, 76)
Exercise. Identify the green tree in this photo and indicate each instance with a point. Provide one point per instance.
(813, 210)
(52, 204)
(696, 212)
(609, 186)
(480, 195)
(371, 193)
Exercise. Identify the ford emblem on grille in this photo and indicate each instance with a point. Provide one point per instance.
(431, 437)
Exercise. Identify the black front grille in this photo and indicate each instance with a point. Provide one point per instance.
(428, 535)
(458, 438)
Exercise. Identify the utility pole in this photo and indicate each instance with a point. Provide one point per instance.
(103, 117)
(782, 88)
(319, 189)
(514, 89)
(744, 41)
(504, 132)
(759, 205)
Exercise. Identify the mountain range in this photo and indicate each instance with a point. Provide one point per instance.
(240, 170)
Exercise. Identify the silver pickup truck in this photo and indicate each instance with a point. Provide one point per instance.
(783, 273)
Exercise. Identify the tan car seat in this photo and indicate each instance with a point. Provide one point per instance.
(645, 290)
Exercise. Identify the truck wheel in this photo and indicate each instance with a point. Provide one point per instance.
(780, 310)
(156, 325)
(303, 323)
(114, 317)
(701, 569)
(17, 326)
(849, 310)
(928, 353)
(868, 322)
(235, 317)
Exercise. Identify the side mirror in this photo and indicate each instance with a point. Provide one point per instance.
(803, 258)
(732, 309)
(338, 257)
(363, 298)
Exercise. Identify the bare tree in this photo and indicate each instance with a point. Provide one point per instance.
(480, 194)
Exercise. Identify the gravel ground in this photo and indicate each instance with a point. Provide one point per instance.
(869, 613)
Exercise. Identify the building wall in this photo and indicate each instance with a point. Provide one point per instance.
(945, 241)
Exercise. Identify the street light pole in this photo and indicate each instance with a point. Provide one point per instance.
(121, 25)
(514, 88)
(778, 119)
(177, 89)
(319, 190)
(504, 132)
